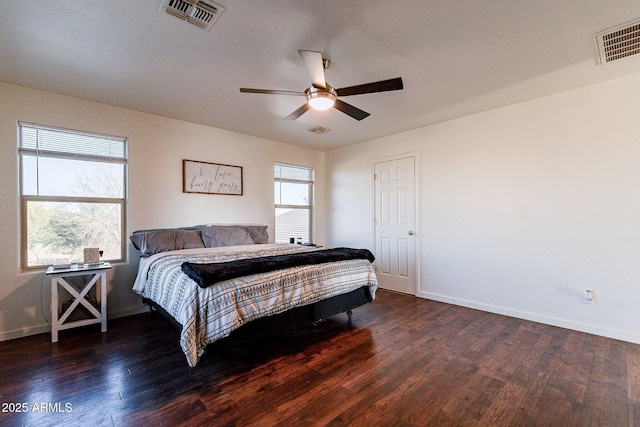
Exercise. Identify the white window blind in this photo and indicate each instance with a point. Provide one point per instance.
(43, 141)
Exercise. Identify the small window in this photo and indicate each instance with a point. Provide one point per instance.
(293, 195)
(73, 187)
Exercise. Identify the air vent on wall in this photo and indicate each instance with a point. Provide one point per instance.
(619, 42)
(200, 13)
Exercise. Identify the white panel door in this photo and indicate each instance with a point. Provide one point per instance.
(394, 184)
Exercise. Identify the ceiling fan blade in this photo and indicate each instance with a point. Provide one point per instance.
(381, 86)
(269, 91)
(300, 111)
(313, 61)
(350, 110)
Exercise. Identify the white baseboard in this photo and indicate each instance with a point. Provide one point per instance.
(46, 327)
(129, 312)
(25, 332)
(534, 317)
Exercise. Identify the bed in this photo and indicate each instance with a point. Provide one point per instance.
(215, 280)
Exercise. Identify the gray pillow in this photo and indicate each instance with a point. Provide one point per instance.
(153, 242)
(258, 233)
(219, 235)
(188, 239)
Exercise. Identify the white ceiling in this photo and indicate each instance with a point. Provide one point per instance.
(456, 57)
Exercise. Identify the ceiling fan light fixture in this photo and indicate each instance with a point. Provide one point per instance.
(321, 99)
(322, 103)
(322, 96)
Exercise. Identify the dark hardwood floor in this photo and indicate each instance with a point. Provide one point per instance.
(402, 361)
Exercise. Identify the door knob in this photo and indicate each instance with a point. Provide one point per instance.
(410, 233)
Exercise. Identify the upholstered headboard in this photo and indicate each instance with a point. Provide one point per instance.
(150, 242)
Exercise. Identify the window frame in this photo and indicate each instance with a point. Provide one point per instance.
(25, 199)
(310, 207)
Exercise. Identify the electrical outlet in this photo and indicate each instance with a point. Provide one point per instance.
(589, 297)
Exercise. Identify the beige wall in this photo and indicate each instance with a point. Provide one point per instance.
(157, 146)
(520, 209)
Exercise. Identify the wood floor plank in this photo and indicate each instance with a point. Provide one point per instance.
(433, 392)
(633, 382)
(525, 414)
(400, 361)
(474, 397)
(537, 349)
(504, 406)
(610, 406)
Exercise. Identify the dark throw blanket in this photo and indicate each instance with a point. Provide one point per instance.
(207, 274)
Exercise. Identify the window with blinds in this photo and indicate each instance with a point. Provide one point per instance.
(73, 194)
(293, 195)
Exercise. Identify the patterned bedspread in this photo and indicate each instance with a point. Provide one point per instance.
(209, 314)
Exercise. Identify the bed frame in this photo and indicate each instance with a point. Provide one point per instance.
(294, 318)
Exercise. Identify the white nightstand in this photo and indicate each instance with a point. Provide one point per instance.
(98, 275)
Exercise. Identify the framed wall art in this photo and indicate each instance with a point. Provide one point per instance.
(211, 178)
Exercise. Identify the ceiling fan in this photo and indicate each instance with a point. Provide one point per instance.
(322, 96)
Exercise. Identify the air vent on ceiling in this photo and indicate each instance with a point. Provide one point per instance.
(619, 42)
(200, 13)
(318, 129)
